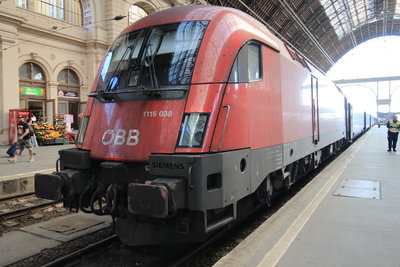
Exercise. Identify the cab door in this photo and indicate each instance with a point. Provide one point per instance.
(349, 121)
(315, 110)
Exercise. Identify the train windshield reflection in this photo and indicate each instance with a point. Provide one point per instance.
(152, 58)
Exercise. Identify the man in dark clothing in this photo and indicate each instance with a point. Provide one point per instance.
(24, 140)
(393, 133)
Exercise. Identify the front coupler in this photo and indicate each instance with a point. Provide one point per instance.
(66, 185)
(70, 182)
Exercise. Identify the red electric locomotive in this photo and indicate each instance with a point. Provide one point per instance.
(198, 114)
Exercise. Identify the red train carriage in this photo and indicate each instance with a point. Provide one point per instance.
(198, 115)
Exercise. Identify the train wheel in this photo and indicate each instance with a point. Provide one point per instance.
(291, 174)
(270, 190)
(265, 190)
(317, 158)
(301, 169)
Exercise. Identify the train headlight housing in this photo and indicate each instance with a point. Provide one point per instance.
(193, 129)
(82, 130)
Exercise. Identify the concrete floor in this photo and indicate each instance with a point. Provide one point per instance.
(16, 179)
(45, 159)
(319, 227)
(30, 240)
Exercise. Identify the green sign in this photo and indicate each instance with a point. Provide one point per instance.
(23, 90)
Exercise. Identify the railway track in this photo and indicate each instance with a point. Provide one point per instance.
(13, 207)
(109, 251)
(76, 255)
(28, 204)
(172, 256)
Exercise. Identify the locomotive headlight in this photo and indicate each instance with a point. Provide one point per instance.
(82, 130)
(192, 130)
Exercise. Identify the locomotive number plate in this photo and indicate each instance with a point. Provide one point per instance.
(155, 113)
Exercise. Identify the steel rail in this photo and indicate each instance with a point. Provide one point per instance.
(191, 253)
(25, 210)
(77, 254)
(2, 200)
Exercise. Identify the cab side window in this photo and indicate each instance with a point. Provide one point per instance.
(247, 65)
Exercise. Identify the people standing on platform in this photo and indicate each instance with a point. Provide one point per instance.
(33, 136)
(23, 140)
(393, 133)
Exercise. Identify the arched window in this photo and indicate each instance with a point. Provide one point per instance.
(135, 13)
(32, 91)
(68, 95)
(68, 77)
(67, 10)
(31, 71)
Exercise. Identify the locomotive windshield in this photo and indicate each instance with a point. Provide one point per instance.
(152, 59)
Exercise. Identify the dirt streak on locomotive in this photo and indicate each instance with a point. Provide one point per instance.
(198, 114)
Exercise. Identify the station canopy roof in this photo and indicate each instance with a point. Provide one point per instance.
(323, 30)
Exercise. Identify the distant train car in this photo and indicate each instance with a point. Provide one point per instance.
(358, 121)
(198, 115)
(370, 120)
(355, 122)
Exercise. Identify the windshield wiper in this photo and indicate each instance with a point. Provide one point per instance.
(169, 89)
(140, 89)
(150, 61)
(110, 95)
(114, 80)
(111, 81)
(152, 70)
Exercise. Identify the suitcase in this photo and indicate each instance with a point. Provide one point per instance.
(12, 148)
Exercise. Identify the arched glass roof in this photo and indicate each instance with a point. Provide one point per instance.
(323, 30)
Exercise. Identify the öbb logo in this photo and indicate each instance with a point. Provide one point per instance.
(120, 137)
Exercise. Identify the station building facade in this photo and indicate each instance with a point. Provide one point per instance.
(50, 51)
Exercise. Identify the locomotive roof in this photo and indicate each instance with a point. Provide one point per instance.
(211, 13)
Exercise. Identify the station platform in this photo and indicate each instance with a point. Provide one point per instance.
(348, 215)
(17, 179)
(31, 240)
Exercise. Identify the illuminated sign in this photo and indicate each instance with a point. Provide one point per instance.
(68, 94)
(23, 90)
